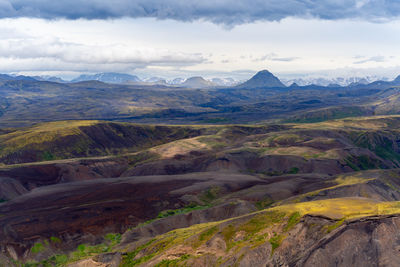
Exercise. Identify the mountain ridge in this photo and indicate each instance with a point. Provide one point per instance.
(262, 79)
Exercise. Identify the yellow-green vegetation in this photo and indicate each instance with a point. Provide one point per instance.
(213, 141)
(83, 251)
(339, 208)
(204, 236)
(174, 262)
(330, 228)
(40, 133)
(270, 225)
(162, 243)
(168, 213)
(210, 194)
(263, 204)
(184, 146)
(344, 180)
(247, 231)
(37, 247)
(187, 209)
(341, 181)
(286, 139)
(356, 123)
(74, 139)
(55, 240)
(275, 241)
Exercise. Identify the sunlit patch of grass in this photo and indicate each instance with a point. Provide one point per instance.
(270, 225)
(275, 241)
(344, 180)
(173, 262)
(341, 181)
(40, 133)
(335, 208)
(330, 228)
(182, 147)
(37, 247)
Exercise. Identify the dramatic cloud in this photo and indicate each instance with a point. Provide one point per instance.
(228, 12)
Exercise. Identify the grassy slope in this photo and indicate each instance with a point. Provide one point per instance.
(245, 232)
(70, 139)
(269, 225)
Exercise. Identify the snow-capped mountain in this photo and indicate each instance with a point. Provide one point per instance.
(324, 81)
(109, 77)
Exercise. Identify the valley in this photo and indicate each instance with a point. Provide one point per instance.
(170, 133)
(24, 102)
(86, 193)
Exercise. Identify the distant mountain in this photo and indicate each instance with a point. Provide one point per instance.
(263, 79)
(197, 82)
(49, 79)
(323, 81)
(109, 77)
(176, 81)
(155, 80)
(6, 77)
(224, 81)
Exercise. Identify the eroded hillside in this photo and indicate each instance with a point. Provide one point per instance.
(275, 194)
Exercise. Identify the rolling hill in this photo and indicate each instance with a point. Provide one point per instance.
(224, 194)
(309, 174)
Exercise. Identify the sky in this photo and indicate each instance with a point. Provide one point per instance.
(210, 38)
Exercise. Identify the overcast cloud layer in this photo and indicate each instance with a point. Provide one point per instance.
(183, 38)
(228, 12)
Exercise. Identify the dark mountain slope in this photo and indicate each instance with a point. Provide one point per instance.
(263, 79)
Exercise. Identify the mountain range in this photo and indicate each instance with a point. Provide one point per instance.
(120, 78)
(110, 77)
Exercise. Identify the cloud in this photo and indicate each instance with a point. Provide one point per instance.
(275, 57)
(227, 12)
(21, 52)
(370, 59)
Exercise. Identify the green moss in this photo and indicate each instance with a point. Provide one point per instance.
(114, 239)
(205, 236)
(129, 258)
(48, 156)
(252, 227)
(261, 221)
(263, 204)
(56, 260)
(351, 164)
(187, 209)
(228, 233)
(84, 251)
(330, 228)
(54, 239)
(140, 260)
(294, 170)
(210, 194)
(37, 247)
(81, 252)
(173, 263)
(292, 221)
(275, 241)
